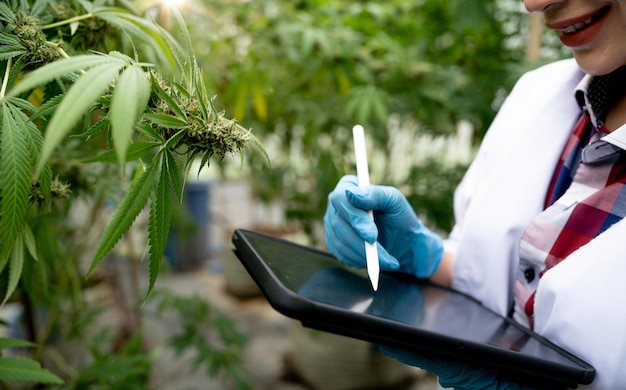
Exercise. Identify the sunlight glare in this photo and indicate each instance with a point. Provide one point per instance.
(173, 3)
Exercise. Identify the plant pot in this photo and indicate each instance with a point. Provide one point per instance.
(188, 241)
(238, 281)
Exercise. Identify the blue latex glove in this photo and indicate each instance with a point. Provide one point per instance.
(454, 375)
(404, 243)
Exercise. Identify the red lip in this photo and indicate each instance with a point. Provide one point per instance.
(584, 35)
(560, 25)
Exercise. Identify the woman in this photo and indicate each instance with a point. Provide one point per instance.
(540, 230)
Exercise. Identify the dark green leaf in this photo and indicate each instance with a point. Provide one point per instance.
(160, 215)
(15, 170)
(15, 343)
(96, 128)
(165, 120)
(48, 107)
(23, 104)
(15, 267)
(139, 28)
(77, 102)
(161, 94)
(136, 151)
(62, 68)
(130, 98)
(174, 175)
(14, 369)
(29, 242)
(126, 212)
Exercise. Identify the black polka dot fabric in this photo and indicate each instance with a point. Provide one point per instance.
(604, 91)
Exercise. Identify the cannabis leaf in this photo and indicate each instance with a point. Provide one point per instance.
(15, 171)
(14, 369)
(97, 73)
(127, 211)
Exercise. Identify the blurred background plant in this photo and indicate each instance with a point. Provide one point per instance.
(103, 114)
(424, 78)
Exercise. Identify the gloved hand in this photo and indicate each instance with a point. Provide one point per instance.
(453, 375)
(404, 243)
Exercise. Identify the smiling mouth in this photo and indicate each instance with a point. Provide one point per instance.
(579, 26)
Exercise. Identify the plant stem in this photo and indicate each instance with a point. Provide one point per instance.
(5, 79)
(58, 48)
(68, 21)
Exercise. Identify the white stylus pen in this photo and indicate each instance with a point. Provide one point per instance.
(362, 172)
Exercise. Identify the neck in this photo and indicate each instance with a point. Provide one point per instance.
(616, 117)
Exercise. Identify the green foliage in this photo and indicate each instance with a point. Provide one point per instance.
(136, 104)
(17, 369)
(126, 366)
(302, 73)
(98, 103)
(200, 324)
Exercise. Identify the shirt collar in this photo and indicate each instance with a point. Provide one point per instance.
(582, 96)
(616, 137)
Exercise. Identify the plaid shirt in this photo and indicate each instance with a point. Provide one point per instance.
(586, 196)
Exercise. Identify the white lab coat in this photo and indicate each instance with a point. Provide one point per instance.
(579, 304)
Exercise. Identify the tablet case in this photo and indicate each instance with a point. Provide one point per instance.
(311, 286)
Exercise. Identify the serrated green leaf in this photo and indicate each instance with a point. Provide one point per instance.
(62, 68)
(165, 120)
(145, 129)
(135, 151)
(206, 158)
(126, 212)
(259, 147)
(48, 107)
(33, 137)
(174, 175)
(29, 242)
(171, 143)
(18, 362)
(45, 185)
(9, 40)
(139, 28)
(6, 53)
(94, 129)
(15, 267)
(6, 13)
(130, 98)
(15, 170)
(23, 104)
(204, 99)
(121, 56)
(15, 343)
(14, 369)
(184, 34)
(161, 94)
(77, 102)
(159, 225)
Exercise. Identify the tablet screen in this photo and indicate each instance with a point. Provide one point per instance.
(429, 312)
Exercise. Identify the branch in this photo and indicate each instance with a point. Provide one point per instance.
(5, 79)
(68, 21)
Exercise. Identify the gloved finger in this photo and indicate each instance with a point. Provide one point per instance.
(348, 247)
(343, 242)
(432, 365)
(358, 218)
(381, 198)
(451, 374)
(387, 262)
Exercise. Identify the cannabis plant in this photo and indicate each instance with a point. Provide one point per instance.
(93, 94)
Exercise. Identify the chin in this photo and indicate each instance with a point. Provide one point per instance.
(595, 64)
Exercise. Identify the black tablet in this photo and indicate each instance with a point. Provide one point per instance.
(311, 286)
